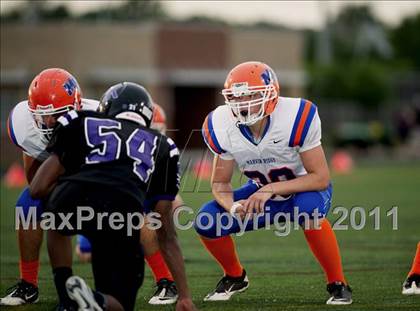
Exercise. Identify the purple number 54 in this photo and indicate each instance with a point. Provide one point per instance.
(106, 145)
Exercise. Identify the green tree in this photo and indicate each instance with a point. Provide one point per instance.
(365, 83)
(55, 14)
(131, 10)
(406, 40)
(359, 70)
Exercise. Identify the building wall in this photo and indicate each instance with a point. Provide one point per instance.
(154, 54)
(173, 61)
(186, 47)
(79, 47)
(282, 50)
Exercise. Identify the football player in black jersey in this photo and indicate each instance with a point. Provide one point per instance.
(114, 163)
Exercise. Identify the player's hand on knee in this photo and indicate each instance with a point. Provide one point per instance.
(251, 205)
(185, 304)
(238, 209)
(256, 202)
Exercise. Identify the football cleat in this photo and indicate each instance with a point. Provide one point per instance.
(341, 294)
(227, 287)
(411, 286)
(80, 293)
(20, 294)
(166, 293)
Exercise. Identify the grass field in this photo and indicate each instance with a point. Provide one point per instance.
(283, 273)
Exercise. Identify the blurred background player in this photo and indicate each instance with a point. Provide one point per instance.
(159, 119)
(411, 285)
(166, 291)
(52, 93)
(114, 180)
(276, 142)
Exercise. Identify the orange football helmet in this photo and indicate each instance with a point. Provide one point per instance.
(53, 91)
(159, 119)
(248, 86)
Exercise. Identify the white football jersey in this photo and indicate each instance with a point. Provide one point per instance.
(24, 134)
(293, 127)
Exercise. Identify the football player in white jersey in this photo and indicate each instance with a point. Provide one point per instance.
(52, 93)
(276, 143)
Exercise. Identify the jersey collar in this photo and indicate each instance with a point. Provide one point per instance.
(246, 132)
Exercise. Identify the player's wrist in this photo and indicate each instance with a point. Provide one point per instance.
(268, 190)
(234, 208)
(184, 296)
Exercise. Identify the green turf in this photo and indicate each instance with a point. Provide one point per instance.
(282, 271)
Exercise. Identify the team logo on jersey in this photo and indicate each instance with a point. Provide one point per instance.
(70, 86)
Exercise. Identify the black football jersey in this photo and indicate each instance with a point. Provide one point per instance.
(118, 153)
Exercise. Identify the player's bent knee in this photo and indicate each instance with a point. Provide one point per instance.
(28, 205)
(312, 205)
(84, 244)
(205, 221)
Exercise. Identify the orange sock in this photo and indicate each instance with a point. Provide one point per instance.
(224, 251)
(29, 271)
(158, 266)
(415, 268)
(324, 246)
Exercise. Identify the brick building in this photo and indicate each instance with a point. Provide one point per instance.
(183, 65)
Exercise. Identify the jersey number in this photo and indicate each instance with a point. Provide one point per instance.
(140, 146)
(275, 175)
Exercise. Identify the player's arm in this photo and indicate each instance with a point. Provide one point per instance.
(221, 181)
(46, 177)
(171, 250)
(312, 156)
(318, 177)
(17, 137)
(223, 162)
(30, 166)
(163, 189)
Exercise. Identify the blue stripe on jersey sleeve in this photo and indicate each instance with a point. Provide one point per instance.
(213, 135)
(203, 133)
(296, 124)
(307, 123)
(11, 130)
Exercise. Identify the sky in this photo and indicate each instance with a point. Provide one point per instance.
(294, 14)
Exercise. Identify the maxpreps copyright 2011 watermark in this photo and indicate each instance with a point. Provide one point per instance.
(354, 218)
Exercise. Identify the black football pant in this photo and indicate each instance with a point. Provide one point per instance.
(117, 259)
